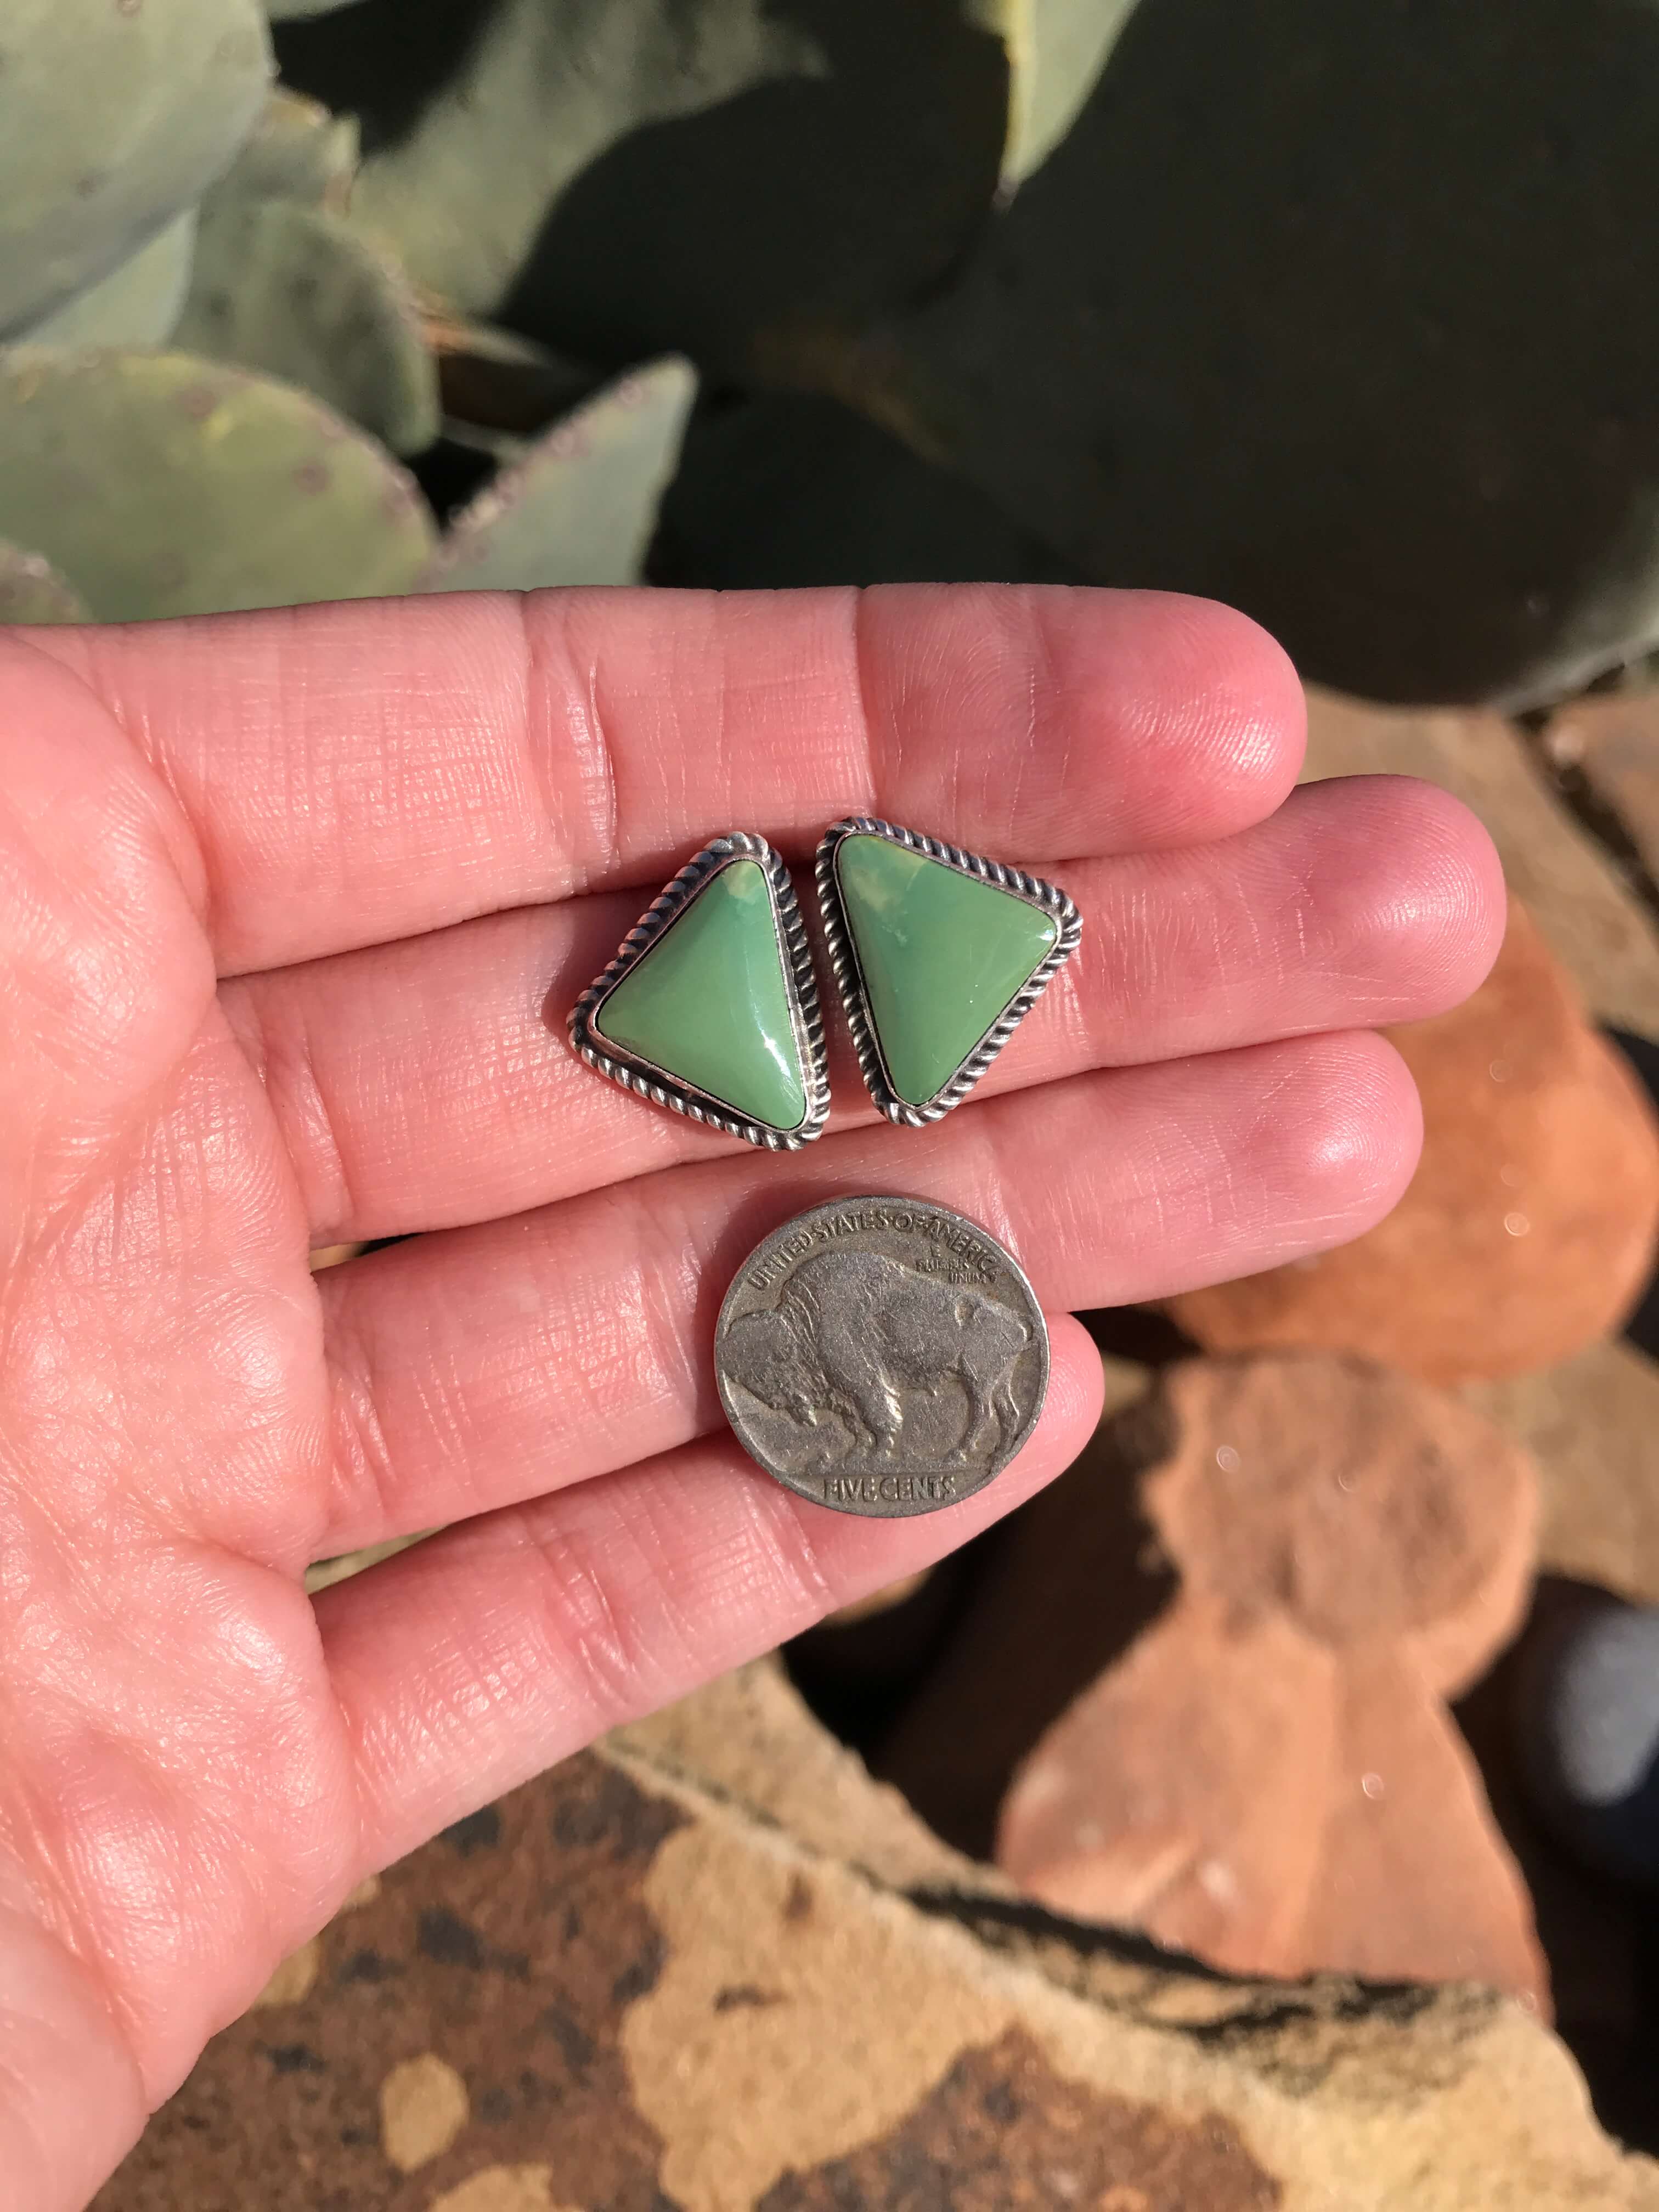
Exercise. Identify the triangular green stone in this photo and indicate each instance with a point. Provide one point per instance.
(710, 1004)
(942, 955)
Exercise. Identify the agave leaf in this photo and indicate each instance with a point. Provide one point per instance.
(292, 291)
(580, 506)
(168, 485)
(113, 119)
(31, 591)
(138, 304)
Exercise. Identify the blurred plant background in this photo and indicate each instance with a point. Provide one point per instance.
(1345, 313)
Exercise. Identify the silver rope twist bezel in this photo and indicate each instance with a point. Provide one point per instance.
(849, 976)
(657, 1084)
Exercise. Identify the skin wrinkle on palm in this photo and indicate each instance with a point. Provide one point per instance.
(609, 1548)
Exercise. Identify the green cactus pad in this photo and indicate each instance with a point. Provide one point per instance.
(1056, 52)
(536, 95)
(113, 119)
(168, 485)
(138, 304)
(295, 151)
(291, 291)
(580, 506)
(618, 179)
(31, 591)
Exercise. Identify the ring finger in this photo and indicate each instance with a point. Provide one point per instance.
(480, 1366)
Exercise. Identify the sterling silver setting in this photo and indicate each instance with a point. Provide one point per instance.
(849, 978)
(800, 984)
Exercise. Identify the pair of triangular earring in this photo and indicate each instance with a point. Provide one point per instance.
(711, 1006)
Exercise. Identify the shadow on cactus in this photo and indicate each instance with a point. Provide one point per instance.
(620, 177)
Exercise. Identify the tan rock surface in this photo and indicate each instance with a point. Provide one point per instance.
(742, 1739)
(1592, 1425)
(423, 2107)
(295, 1979)
(1268, 1778)
(1528, 1230)
(1612, 741)
(1604, 935)
(503, 2189)
(656, 1996)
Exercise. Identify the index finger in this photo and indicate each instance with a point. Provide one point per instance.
(359, 773)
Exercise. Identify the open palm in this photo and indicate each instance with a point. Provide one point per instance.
(291, 909)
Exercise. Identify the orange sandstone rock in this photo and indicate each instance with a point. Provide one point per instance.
(1529, 1229)
(1268, 1778)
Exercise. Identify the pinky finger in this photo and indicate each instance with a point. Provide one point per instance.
(475, 1660)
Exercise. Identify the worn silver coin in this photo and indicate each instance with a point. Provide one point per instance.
(882, 1356)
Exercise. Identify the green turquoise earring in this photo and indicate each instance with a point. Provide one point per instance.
(939, 955)
(711, 1008)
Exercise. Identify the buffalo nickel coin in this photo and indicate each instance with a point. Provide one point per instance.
(882, 1356)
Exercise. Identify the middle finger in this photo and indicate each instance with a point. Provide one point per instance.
(430, 1084)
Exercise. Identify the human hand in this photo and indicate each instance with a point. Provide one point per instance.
(291, 909)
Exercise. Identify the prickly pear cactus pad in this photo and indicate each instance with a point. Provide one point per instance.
(295, 151)
(167, 485)
(114, 118)
(291, 291)
(138, 304)
(617, 179)
(580, 506)
(31, 591)
(475, 127)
